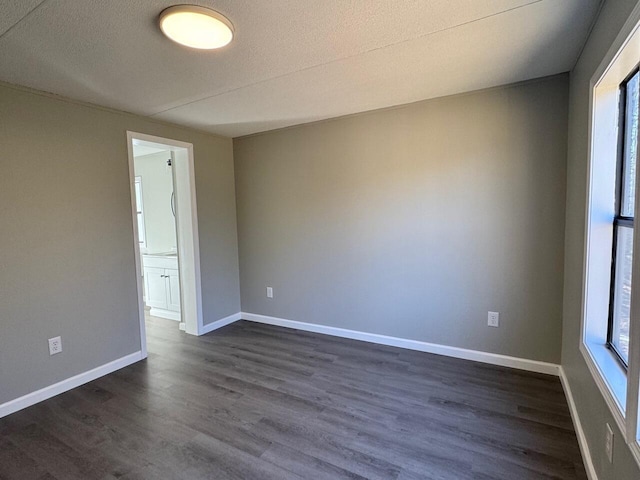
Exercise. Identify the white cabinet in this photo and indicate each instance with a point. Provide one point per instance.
(162, 285)
(173, 290)
(155, 287)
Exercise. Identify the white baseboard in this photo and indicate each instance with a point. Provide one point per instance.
(32, 398)
(168, 314)
(577, 425)
(223, 322)
(456, 352)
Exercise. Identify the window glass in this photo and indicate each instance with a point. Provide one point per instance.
(630, 147)
(622, 297)
(141, 232)
(140, 211)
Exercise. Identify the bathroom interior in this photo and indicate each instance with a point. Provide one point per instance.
(158, 242)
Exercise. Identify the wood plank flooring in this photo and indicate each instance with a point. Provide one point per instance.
(252, 401)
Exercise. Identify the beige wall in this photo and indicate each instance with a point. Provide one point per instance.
(592, 409)
(414, 222)
(66, 236)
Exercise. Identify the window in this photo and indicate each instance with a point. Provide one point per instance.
(621, 265)
(142, 237)
(610, 340)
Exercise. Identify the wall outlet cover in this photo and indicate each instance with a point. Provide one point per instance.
(55, 345)
(269, 292)
(493, 319)
(608, 446)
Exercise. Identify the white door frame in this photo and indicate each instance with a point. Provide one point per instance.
(187, 233)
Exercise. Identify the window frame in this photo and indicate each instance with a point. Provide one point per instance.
(620, 220)
(606, 371)
(142, 233)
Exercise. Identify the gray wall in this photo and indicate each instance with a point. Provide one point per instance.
(66, 236)
(592, 409)
(414, 222)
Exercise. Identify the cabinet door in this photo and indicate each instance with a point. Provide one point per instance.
(156, 287)
(173, 290)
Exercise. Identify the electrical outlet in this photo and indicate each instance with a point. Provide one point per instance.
(608, 444)
(269, 292)
(493, 319)
(55, 345)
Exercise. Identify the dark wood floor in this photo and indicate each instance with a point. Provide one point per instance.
(251, 401)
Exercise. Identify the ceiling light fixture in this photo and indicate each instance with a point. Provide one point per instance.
(196, 27)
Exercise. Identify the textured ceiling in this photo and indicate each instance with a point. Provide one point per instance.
(292, 61)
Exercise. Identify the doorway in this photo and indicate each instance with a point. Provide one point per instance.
(166, 245)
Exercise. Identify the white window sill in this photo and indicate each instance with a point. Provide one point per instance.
(610, 378)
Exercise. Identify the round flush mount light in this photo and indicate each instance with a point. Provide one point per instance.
(196, 27)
